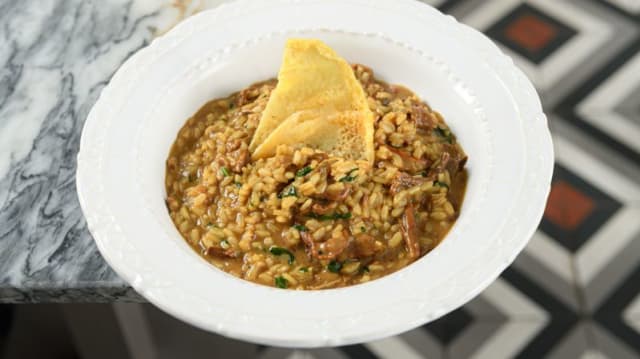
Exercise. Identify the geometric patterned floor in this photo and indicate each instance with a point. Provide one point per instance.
(574, 292)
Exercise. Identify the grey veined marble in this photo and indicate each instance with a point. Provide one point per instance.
(56, 58)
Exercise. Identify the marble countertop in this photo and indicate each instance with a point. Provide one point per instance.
(57, 56)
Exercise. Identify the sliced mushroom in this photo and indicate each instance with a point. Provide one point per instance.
(409, 232)
(404, 181)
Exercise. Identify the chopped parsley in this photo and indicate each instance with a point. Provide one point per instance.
(334, 266)
(278, 251)
(441, 184)
(288, 192)
(281, 282)
(362, 229)
(224, 171)
(348, 177)
(443, 133)
(304, 171)
(224, 244)
(303, 269)
(300, 227)
(329, 217)
(364, 269)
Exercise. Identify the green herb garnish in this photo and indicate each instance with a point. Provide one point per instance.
(300, 227)
(441, 184)
(444, 133)
(342, 216)
(224, 244)
(224, 171)
(281, 282)
(362, 229)
(329, 217)
(364, 269)
(303, 269)
(304, 171)
(349, 177)
(232, 105)
(288, 192)
(278, 251)
(334, 266)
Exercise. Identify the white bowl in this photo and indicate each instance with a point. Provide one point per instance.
(490, 105)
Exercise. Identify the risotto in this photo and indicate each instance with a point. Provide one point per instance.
(302, 218)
